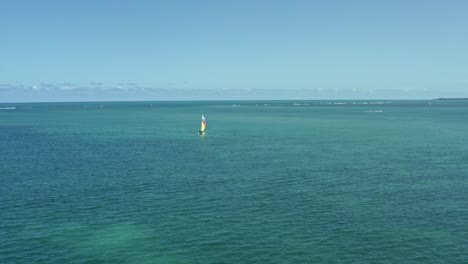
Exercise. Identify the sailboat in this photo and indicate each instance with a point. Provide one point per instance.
(203, 126)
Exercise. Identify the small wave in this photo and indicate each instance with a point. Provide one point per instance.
(380, 102)
(7, 108)
(374, 111)
(337, 103)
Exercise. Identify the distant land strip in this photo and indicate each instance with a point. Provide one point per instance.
(451, 99)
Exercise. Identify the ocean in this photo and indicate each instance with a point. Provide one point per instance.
(271, 182)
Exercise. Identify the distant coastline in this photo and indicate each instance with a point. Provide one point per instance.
(451, 99)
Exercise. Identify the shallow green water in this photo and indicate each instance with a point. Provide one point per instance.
(271, 182)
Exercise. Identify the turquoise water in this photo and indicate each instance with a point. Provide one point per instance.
(271, 182)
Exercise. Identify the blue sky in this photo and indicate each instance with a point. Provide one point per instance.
(413, 47)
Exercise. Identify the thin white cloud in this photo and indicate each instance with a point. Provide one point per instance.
(131, 91)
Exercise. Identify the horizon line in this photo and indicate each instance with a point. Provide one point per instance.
(228, 100)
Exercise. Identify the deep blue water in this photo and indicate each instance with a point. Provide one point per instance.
(271, 182)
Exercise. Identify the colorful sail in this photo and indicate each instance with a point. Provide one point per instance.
(203, 124)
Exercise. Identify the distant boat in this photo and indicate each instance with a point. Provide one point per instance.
(203, 126)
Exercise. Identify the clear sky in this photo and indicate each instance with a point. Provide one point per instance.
(417, 46)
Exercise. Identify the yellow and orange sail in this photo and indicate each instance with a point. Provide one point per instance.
(203, 124)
